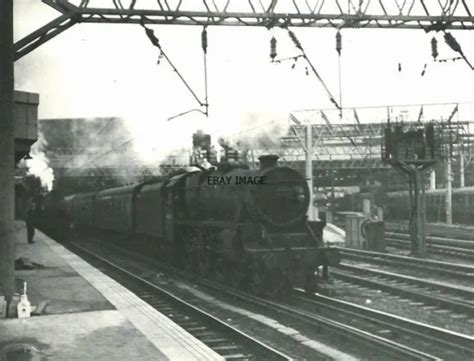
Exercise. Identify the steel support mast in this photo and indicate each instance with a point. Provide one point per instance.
(7, 151)
(449, 191)
(309, 169)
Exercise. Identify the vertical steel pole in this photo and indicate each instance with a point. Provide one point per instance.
(422, 217)
(309, 169)
(412, 213)
(416, 191)
(461, 170)
(433, 179)
(449, 192)
(7, 150)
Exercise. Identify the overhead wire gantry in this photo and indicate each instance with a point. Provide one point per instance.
(440, 15)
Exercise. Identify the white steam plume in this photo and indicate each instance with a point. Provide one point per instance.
(38, 165)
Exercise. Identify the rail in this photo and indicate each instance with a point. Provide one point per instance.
(465, 272)
(232, 343)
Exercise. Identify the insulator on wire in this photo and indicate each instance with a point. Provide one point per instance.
(295, 40)
(151, 35)
(273, 51)
(423, 71)
(338, 42)
(452, 42)
(434, 48)
(204, 40)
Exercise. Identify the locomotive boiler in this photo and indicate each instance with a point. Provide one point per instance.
(275, 196)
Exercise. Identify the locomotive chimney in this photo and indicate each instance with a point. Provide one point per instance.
(268, 161)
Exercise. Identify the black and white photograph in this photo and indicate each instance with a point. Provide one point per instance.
(236, 180)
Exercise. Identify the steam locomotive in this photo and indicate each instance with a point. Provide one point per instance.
(51, 215)
(245, 227)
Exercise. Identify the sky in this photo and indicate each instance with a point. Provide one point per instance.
(94, 70)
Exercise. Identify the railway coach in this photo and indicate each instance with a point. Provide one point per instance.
(462, 205)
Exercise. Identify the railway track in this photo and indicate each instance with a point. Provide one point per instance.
(371, 329)
(440, 342)
(459, 232)
(445, 246)
(453, 270)
(391, 335)
(441, 295)
(224, 339)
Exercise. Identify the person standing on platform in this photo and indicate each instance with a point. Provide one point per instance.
(30, 223)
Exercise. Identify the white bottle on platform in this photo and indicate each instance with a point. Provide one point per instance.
(24, 306)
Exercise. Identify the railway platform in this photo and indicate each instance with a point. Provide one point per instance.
(84, 314)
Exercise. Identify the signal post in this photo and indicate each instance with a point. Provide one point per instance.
(414, 150)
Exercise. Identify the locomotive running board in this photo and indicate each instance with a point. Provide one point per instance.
(215, 224)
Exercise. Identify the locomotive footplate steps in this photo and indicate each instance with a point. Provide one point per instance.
(118, 324)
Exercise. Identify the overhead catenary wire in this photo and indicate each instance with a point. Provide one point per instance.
(455, 46)
(383, 106)
(316, 73)
(204, 50)
(109, 122)
(128, 141)
(155, 41)
(339, 68)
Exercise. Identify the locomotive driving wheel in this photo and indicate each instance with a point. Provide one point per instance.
(237, 275)
(268, 282)
(229, 273)
(311, 284)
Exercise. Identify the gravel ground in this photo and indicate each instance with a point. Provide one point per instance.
(264, 333)
(416, 311)
(436, 277)
(359, 295)
(279, 336)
